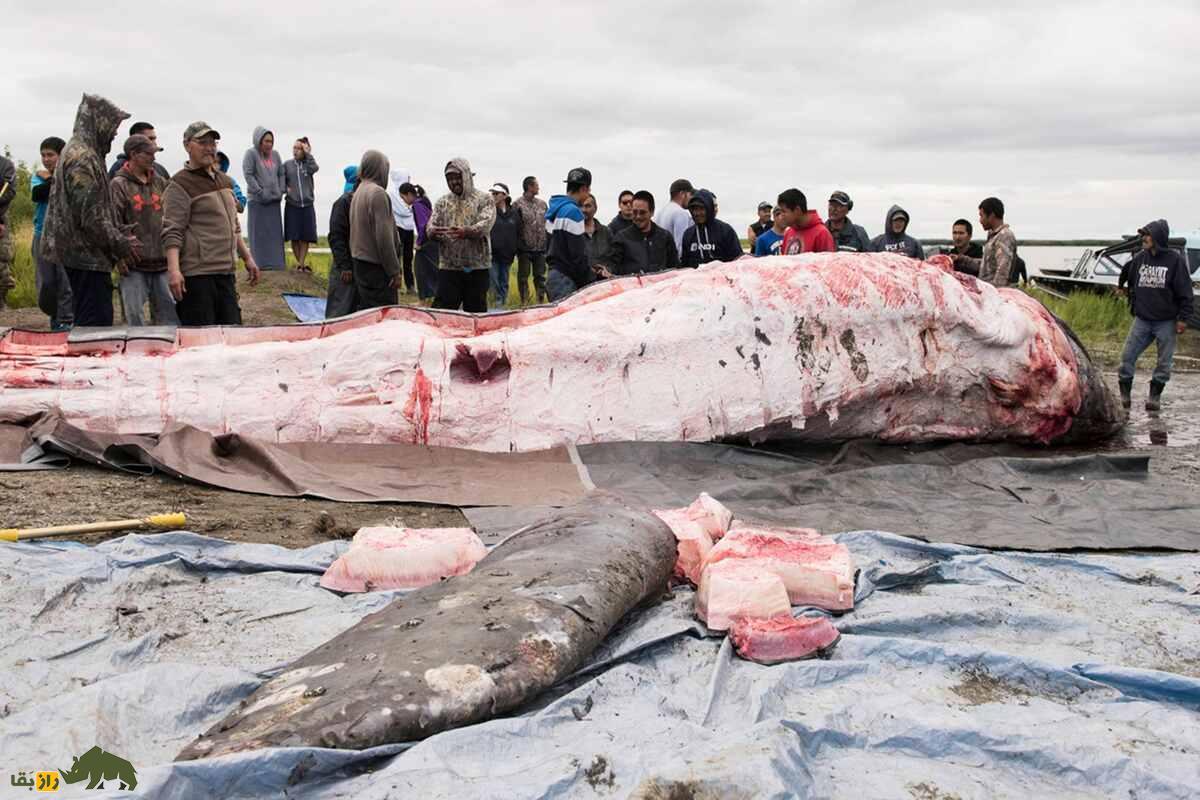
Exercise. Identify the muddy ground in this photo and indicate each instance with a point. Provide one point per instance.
(83, 493)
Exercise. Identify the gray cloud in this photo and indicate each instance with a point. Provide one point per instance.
(1081, 115)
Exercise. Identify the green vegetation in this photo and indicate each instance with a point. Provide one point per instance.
(1095, 317)
(24, 294)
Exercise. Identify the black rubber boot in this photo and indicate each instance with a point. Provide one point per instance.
(1126, 394)
(1154, 401)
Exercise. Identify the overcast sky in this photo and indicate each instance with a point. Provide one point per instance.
(1084, 117)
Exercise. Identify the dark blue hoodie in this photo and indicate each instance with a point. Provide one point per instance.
(1160, 287)
(713, 241)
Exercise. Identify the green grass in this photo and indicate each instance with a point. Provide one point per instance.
(25, 293)
(1092, 315)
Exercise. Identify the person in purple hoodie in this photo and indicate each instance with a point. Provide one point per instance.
(427, 249)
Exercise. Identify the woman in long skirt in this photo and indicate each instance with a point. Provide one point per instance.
(265, 187)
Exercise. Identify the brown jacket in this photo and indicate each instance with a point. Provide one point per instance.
(372, 229)
(200, 219)
(139, 204)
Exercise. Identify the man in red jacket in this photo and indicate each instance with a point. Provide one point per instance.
(806, 232)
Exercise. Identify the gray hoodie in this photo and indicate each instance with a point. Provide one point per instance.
(266, 182)
(900, 243)
(298, 175)
(372, 231)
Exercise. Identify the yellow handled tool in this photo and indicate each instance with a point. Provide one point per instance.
(162, 521)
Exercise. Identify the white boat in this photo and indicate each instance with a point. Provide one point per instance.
(1099, 269)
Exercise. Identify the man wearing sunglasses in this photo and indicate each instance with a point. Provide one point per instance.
(644, 246)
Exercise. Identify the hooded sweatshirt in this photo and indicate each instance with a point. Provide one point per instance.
(266, 182)
(1160, 287)
(138, 203)
(472, 210)
(401, 212)
(350, 173)
(900, 243)
(567, 252)
(713, 241)
(80, 231)
(811, 237)
(372, 231)
(298, 178)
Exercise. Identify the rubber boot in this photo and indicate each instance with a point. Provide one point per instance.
(1126, 394)
(1154, 401)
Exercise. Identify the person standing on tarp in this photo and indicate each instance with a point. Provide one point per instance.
(266, 184)
(1161, 300)
(342, 297)
(81, 232)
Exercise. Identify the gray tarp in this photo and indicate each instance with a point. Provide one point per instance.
(960, 673)
(998, 496)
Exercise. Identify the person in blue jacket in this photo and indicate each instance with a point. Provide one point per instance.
(223, 161)
(566, 255)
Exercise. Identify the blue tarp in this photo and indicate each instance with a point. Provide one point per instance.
(961, 672)
(306, 307)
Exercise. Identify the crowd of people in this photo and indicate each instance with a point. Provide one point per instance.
(175, 239)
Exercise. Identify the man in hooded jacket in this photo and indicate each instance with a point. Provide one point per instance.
(708, 239)
(80, 231)
(894, 238)
(462, 223)
(1161, 300)
(377, 270)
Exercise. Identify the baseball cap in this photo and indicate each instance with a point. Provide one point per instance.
(499, 188)
(841, 198)
(579, 175)
(138, 142)
(681, 185)
(765, 205)
(198, 130)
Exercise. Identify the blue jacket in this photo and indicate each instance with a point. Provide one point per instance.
(567, 251)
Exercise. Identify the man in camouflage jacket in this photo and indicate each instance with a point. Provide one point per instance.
(81, 232)
(8, 191)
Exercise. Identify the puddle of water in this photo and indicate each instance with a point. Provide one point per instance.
(1177, 425)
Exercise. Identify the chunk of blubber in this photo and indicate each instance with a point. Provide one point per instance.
(528, 616)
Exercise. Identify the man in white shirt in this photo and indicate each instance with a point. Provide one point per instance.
(674, 217)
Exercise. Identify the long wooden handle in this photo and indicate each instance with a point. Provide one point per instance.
(163, 521)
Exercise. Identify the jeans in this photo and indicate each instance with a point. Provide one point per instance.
(559, 285)
(139, 287)
(500, 273)
(427, 270)
(462, 288)
(534, 262)
(1141, 334)
(53, 290)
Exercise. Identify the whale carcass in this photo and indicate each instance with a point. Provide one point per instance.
(817, 346)
(466, 649)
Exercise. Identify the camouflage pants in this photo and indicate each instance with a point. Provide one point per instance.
(6, 259)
